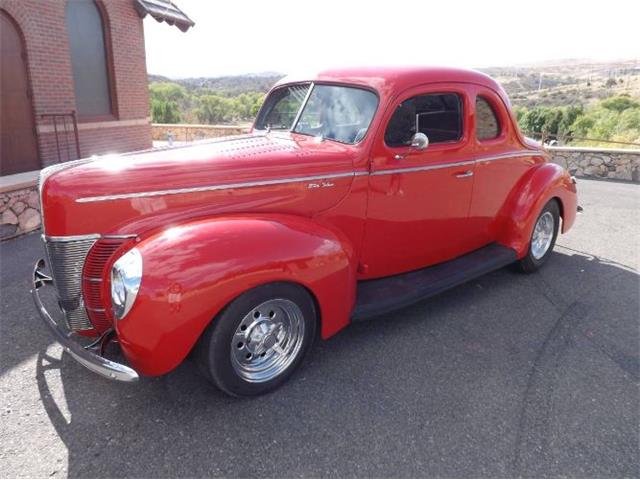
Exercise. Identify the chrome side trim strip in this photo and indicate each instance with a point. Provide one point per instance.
(453, 164)
(507, 155)
(280, 181)
(423, 168)
(210, 188)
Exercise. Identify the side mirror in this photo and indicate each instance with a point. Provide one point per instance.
(419, 141)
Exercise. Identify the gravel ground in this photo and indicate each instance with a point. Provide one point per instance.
(506, 376)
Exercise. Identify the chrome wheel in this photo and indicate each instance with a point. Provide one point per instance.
(267, 340)
(542, 235)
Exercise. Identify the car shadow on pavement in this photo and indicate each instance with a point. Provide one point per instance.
(20, 329)
(509, 375)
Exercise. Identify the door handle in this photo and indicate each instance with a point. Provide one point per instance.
(466, 174)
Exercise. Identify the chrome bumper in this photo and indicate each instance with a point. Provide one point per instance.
(84, 356)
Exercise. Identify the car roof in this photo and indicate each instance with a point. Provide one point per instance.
(388, 81)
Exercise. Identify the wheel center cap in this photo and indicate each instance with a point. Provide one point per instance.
(263, 337)
(269, 341)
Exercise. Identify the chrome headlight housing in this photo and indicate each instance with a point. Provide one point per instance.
(126, 275)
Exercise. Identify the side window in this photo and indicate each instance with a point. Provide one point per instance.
(487, 124)
(437, 115)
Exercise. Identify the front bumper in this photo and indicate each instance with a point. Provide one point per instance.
(83, 355)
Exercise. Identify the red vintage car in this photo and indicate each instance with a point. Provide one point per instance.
(357, 192)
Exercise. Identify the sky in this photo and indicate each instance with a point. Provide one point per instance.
(246, 36)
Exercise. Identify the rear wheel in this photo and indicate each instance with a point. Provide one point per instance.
(543, 238)
(259, 339)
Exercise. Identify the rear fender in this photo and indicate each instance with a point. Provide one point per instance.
(193, 270)
(543, 183)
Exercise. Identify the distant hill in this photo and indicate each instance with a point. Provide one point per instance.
(567, 82)
(229, 86)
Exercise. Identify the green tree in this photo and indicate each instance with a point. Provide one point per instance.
(616, 119)
(172, 103)
(163, 111)
(167, 91)
(548, 120)
(619, 103)
(167, 101)
(215, 109)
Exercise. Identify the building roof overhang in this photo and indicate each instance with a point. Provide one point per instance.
(164, 11)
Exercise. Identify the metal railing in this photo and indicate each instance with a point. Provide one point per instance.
(184, 132)
(65, 119)
(545, 137)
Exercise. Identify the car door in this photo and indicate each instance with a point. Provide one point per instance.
(418, 200)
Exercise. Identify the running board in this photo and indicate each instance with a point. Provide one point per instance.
(383, 295)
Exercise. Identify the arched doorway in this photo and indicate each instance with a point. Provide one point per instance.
(18, 143)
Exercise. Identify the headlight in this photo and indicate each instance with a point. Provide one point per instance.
(126, 276)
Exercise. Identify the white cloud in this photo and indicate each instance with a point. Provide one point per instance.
(235, 37)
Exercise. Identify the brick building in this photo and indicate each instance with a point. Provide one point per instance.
(74, 79)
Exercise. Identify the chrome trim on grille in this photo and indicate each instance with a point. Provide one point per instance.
(209, 188)
(96, 309)
(73, 238)
(86, 356)
(66, 260)
(70, 238)
(67, 256)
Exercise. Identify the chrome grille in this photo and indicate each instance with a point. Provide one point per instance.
(66, 260)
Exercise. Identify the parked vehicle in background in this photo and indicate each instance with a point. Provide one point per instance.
(357, 192)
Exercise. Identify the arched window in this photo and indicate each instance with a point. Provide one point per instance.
(89, 54)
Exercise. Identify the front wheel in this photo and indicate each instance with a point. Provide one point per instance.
(259, 339)
(543, 238)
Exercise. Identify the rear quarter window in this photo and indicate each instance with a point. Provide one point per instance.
(487, 123)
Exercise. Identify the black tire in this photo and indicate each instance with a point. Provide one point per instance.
(213, 352)
(530, 263)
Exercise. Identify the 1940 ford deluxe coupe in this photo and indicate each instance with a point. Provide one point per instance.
(357, 192)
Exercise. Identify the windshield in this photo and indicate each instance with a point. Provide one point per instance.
(333, 112)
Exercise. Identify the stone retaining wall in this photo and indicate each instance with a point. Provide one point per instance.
(608, 163)
(20, 212)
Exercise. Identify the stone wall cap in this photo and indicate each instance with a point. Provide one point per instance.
(18, 181)
(631, 151)
(203, 126)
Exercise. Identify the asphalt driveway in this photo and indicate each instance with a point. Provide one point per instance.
(510, 375)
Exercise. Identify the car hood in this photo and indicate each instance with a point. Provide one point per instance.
(121, 181)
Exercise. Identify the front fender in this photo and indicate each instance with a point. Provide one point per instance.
(543, 183)
(191, 271)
